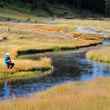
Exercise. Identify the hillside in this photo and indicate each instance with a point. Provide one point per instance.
(25, 12)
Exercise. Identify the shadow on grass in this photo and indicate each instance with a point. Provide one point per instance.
(34, 51)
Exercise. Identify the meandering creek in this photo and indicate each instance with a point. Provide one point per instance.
(68, 66)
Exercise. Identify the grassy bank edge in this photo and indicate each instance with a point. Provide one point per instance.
(55, 49)
(26, 76)
(101, 55)
(25, 68)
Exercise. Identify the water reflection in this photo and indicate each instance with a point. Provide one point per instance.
(67, 67)
(6, 90)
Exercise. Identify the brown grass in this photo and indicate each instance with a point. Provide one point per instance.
(92, 95)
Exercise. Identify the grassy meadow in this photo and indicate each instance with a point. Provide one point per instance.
(26, 69)
(102, 54)
(90, 95)
(24, 32)
(18, 37)
(99, 24)
(25, 36)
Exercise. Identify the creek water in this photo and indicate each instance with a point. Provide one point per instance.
(68, 66)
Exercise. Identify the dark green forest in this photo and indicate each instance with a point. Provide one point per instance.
(97, 6)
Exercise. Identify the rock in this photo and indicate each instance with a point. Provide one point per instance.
(92, 30)
(88, 30)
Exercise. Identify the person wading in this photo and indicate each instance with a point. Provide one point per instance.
(7, 61)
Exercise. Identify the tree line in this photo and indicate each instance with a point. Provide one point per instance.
(94, 5)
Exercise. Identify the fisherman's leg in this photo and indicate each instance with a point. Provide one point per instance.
(8, 65)
(11, 65)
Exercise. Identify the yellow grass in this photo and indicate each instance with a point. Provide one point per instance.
(24, 36)
(25, 65)
(98, 24)
(25, 68)
(101, 54)
(92, 95)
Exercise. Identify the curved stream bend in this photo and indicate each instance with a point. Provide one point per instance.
(68, 66)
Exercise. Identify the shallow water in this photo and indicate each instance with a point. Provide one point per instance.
(106, 42)
(68, 66)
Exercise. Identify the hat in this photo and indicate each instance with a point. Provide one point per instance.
(7, 54)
